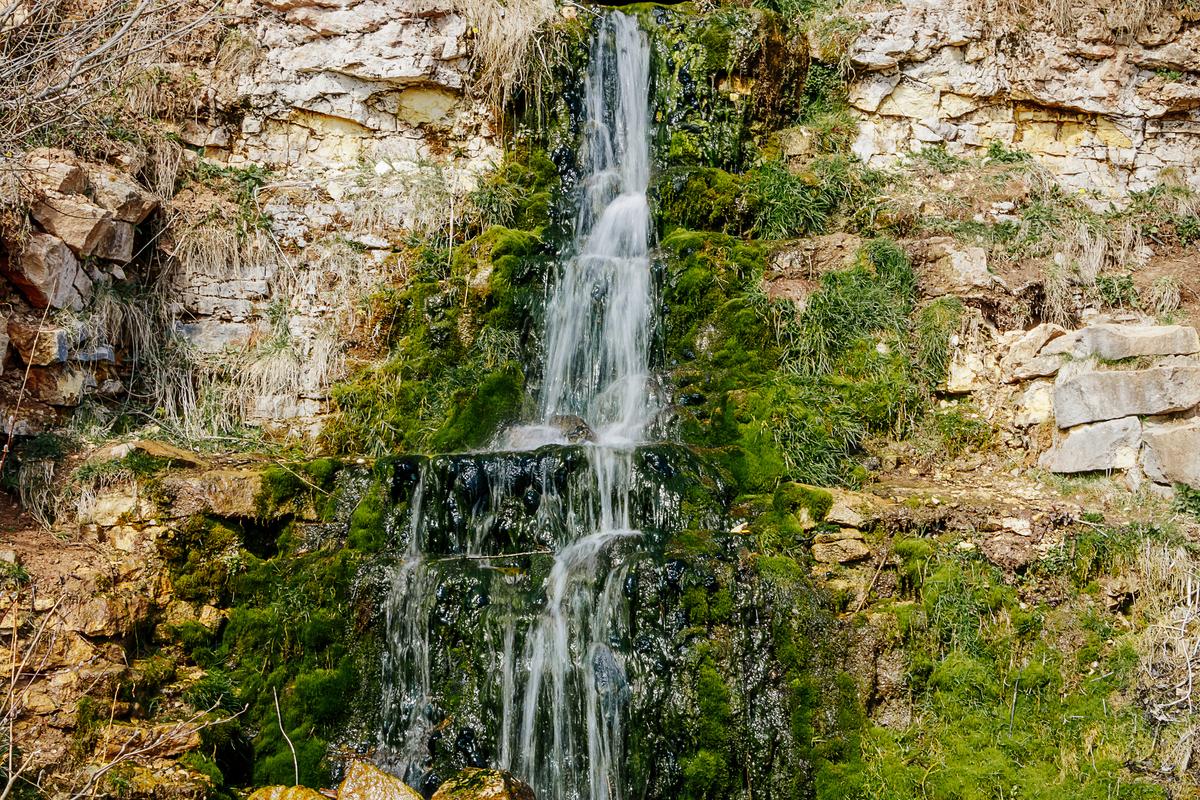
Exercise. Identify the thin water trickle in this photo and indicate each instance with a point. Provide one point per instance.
(560, 675)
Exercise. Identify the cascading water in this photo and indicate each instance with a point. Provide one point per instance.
(560, 675)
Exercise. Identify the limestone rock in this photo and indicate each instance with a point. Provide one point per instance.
(483, 784)
(1115, 342)
(121, 195)
(1173, 453)
(224, 492)
(844, 547)
(168, 452)
(1036, 405)
(55, 171)
(1026, 349)
(1105, 446)
(1040, 366)
(286, 793)
(1100, 395)
(75, 220)
(46, 272)
(118, 245)
(60, 384)
(39, 345)
(365, 781)
(955, 269)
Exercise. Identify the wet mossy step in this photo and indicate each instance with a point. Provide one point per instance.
(498, 503)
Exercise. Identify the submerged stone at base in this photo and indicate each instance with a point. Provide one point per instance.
(483, 784)
(286, 793)
(365, 781)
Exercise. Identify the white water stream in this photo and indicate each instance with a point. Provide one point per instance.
(562, 686)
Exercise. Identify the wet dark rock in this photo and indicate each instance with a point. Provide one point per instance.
(573, 427)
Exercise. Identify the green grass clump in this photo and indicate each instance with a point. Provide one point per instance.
(775, 396)
(519, 193)
(788, 204)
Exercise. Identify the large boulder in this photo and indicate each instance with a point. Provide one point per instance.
(1173, 453)
(1103, 446)
(48, 274)
(121, 195)
(222, 492)
(118, 244)
(60, 384)
(1115, 342)
(483, 784)
(1096, 395)
(365, 781)
(83, 225)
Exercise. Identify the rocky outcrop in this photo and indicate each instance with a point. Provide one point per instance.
(1107, 103)
(286, 793)
(1093, 395)
(1099, 447)
(1173, 453)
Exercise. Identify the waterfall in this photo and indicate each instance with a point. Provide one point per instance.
(560, 676)
(598, 318)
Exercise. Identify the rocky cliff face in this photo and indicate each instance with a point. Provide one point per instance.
(939, 258)
(1104, 95)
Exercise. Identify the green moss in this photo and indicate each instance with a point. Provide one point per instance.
(796, 498)
(702, 198)
(482, 410)
(297, 488)
(368, 522)
(998, 710)
(458, 341)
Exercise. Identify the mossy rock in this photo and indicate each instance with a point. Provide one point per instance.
(809, 504)
(286, 793)
(483, 784)
(365, 781)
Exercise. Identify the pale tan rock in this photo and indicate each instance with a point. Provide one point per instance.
(53, 174)
(844, 547)
(1036, 405)
(1026, 348)
(72, 218)
(225, 492)
(121, 195)
(116, 506)
(150, 447)
(365, 781)
(45, 271)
